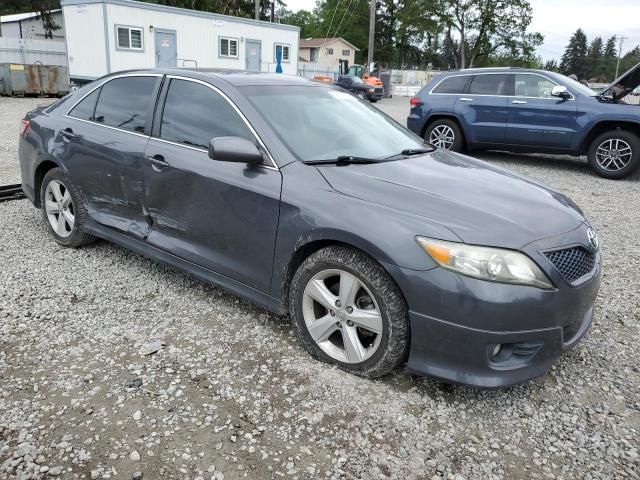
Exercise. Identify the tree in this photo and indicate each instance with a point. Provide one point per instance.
(573, 60)
(551, 65)
(594, 60)
(479, 30)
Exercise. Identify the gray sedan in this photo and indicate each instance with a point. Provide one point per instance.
(299, 196)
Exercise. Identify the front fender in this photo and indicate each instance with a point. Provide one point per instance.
(312, 211)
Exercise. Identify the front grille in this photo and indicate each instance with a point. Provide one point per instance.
(379, 90)
(572, 263)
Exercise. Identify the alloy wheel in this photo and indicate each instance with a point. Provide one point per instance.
(342, 316)
(613, 154)
(59, 207)
(442, 136)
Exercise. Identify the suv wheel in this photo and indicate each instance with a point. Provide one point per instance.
(346, 310)
(445, 134)
(63, 209)
(614, 154)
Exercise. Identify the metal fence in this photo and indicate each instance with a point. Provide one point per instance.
(28, 52)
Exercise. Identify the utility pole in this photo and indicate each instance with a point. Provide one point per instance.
(372, 32)
(257, 9)
(622, 39)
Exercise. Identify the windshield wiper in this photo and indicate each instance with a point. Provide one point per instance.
(408, 152)
(343, 160)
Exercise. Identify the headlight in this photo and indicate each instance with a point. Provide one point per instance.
(372, 90)
(486, 263)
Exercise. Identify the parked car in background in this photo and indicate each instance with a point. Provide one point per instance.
(360, 88)
(531, 111)
(308, 201)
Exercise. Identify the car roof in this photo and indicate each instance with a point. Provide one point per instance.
(233, 77)
(471, 71)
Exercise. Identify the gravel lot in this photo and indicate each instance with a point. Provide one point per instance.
(230, 394)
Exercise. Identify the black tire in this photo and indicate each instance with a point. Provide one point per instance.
(624, 135)
(77, 237)
(373, 100)
(393, 349)
(458, 136)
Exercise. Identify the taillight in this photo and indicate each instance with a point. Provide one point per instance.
(415, 101)
(24, 126)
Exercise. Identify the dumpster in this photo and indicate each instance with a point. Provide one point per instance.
(37, 79)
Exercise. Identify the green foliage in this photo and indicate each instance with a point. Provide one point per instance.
(596, 61)
(43, 7)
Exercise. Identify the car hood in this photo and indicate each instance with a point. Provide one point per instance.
(623, 85)
(480, 203)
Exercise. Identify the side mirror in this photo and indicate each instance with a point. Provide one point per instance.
(560, 91)
(234, 149)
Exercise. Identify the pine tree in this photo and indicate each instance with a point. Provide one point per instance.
(609, 59)
(595, 57)
(573, 60)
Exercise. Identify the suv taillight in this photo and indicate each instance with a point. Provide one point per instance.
(24, 126)
(415, 101)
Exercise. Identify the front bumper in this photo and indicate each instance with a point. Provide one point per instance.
(457, 322)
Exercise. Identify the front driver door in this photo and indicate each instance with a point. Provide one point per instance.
(537, 118)
(220, 215)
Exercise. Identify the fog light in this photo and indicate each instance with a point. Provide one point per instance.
(496, 351)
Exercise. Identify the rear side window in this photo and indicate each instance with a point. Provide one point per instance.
(193, 114)
(452, 85)
(84, 109)
(124, 103)
(491, 84)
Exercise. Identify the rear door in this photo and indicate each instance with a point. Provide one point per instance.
(103, 144)
(220, 215)
(536, 118)
(484, 108)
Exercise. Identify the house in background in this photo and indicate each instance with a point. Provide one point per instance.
(105, 36)
(28, 26)
(327, 52)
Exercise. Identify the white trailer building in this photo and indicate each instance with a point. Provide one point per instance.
(105, 36)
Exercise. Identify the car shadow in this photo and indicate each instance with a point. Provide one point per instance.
(565, 163)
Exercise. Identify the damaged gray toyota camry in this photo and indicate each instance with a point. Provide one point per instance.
(304, 199)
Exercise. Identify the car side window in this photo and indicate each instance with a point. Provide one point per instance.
(124, 103)
(489, 84)
(456, 84)
(194, 114)
(530, 85)
(85, 108)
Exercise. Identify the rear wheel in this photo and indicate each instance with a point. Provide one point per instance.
(63, 210)
(615, 154)
(348, 311)
(445, 134)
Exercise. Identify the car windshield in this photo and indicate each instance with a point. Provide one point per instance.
(577, 86)
(318, 123)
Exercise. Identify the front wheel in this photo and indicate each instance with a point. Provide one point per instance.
(348, 311)
(614, 154)
(445, 134)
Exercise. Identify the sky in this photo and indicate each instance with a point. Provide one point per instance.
(558, 19)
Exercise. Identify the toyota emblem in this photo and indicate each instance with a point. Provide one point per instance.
(593, 238)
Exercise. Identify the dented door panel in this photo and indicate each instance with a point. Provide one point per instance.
(220, 215)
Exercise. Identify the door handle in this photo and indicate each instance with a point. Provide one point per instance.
(158, 162)
(519, 102)
(68, 133)
(466, 99)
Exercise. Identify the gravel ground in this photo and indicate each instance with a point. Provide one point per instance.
(113, 366)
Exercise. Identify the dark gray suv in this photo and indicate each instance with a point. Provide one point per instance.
(304, 199)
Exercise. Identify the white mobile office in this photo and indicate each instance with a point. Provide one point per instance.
(105, 36)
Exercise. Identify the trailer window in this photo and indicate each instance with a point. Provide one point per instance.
(229, 47)
(284, 48)
(129, 38)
